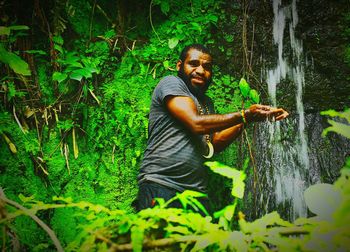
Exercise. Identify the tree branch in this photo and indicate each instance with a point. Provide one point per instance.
(35, 218)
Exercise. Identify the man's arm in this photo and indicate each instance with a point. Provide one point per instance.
(223, 138)
(226, 127)
(184, 109)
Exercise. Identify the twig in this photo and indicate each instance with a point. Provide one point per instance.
(105, 14)
(35, 218)
(16, 118)
(154, 243)
(150, 20)
(92, 18)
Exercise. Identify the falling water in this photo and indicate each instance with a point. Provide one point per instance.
(285, 162)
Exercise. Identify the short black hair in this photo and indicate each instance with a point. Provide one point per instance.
(198, 47)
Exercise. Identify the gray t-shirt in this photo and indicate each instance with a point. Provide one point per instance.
(174, 155)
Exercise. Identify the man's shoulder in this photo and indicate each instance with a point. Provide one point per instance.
(170, 79)
(171, 82)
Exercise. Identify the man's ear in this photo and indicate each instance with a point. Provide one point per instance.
(178, 65)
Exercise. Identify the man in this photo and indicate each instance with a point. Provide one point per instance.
(183, 130)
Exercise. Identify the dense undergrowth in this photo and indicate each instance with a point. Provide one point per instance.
(75, 93)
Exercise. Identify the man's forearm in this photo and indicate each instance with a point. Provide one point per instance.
(205, 124)
(225, 137)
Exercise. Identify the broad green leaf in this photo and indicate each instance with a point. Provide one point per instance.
(130, 121)
(178, 229)
(240, 241)
(57, 76)
(261, 224)
(190, 193)
(84, 72)
(75, 64)
(197, 205)
(196, 26)
(172, 43)
(166, 64)
(18, 65)
(337, 127)
(223, 170)
(254, 95)
(165, 7)
(58, 48)
(71, 59)
(124, 228)
(76, 76)
(238, 189)
(19, 27)
(58, 40)
(244, 87)
(5, 30)
(40, 52)
(205, 240)
(229, 212)
(137, 234)
(25, 199)
(322, 199)
(213, 18)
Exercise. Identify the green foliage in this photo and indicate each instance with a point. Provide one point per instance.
(236, 176)
(95, 78)
(338, 127)
(18, 65)
(247, 92)
(168, 229)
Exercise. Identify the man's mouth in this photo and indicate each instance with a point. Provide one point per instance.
(197, 79)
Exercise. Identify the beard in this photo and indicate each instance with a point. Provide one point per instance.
(198, 91)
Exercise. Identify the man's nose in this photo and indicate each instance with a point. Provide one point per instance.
(200, 69)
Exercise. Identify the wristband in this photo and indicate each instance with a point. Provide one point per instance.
(244, 119)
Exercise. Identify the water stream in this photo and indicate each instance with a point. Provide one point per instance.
(284, 159)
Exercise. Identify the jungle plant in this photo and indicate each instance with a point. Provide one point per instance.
(15, 62)
(183, 229)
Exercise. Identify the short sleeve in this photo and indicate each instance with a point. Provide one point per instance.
(170, 86)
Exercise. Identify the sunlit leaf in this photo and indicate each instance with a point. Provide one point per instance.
(40, 52)
(58, 40)
(177, 229)
(340, 128)
(244, 87)
(254, 95)
(137, 234)
(25, 199)
(239, 243)
(166, 64)
(76, 76)
(172, 43)
(223, 169)
(333, 113)
(165, 7)
(322, 199)
(18, 27)
(18, 65)
(197, 205)
(57, 76)
(5, 30)
(58, 48)
(238, 189)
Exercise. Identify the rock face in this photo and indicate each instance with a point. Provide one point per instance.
(293, 155)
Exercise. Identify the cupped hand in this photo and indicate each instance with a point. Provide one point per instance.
(259, 112)
(278, 114)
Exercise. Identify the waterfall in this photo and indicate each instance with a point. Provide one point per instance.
(283, 152)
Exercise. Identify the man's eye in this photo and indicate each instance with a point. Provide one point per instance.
(207, 66)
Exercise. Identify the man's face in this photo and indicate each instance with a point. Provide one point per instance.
(196, 70)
